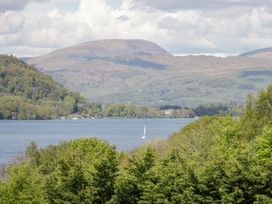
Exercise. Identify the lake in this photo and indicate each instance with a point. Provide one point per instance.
(126, 134)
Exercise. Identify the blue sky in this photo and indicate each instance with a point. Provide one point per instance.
(115, 3)
(217, 27)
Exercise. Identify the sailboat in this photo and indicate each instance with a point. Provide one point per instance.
(143, 137)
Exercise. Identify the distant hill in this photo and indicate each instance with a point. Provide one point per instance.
(256, 52)
(26, 93)
(138, 71)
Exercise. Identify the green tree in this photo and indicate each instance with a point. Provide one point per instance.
(130, 184)
(23, 186)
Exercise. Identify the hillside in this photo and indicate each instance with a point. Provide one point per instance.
(141, 72)
(260, 53)
(26, 93)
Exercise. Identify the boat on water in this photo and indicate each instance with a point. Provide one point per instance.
(143, 137)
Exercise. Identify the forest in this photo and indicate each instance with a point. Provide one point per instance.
(216, 159)
(25, 93)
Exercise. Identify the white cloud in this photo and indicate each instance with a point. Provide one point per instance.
(245, 25)
(25, 51)
(11, 22)
(200, 4)
(7, 40)
(6, 5)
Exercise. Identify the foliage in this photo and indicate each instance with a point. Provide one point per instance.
(91, 110)
(211, 110)
(121, 110)
(218, 159)
(133, 111)
(25, 93)
(24, 186)
(80, 171)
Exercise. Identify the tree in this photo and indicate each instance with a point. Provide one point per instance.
(23, 186)
(131, 183)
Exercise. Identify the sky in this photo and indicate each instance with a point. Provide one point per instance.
(216, 27)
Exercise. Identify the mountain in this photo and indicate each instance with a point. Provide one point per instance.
(264, 53)
(26, 93)
(256, 52)
(142, 72)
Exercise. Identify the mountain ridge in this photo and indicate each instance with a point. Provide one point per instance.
(139, 71)
(258, 51)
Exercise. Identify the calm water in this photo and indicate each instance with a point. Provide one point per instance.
(124, 133)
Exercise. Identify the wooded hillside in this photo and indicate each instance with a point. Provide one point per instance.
(26, 93)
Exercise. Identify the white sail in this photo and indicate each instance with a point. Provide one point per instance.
(143, 137)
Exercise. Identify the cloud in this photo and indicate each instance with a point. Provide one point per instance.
(185, 29)
(24, 51)
(11, 22)
(207, 4)
(93, 20)
(123, 18)
(7, 5)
